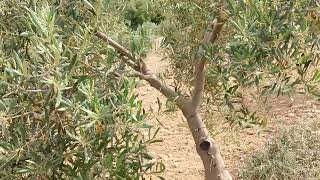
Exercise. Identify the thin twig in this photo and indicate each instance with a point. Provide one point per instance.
(116, 45)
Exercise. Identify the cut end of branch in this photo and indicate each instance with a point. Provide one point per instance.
(205, 145)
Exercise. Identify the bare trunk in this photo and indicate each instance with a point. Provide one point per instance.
(206, 147)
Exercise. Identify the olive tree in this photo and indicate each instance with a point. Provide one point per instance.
(68, 106)
(271, 46)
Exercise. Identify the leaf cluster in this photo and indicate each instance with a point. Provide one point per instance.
(266, 48)
(64, 110)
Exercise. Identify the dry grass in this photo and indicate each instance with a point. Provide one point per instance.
(295, 154)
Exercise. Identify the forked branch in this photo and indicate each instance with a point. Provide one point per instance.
(206, 147)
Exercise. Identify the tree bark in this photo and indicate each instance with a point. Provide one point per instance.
(206, 147)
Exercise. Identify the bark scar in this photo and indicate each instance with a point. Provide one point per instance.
(198, 129)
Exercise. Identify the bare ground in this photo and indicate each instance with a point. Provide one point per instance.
(177, 150)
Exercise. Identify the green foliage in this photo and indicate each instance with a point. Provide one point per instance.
(139, 12)
(266, 47)
(293, 155)
(64, 111)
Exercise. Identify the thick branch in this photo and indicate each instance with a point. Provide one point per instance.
(144, 73)
(210, 36)
(168, 92)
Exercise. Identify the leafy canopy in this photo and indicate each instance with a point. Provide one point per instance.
(267, 47)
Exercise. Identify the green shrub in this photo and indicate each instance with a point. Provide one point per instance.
(141, 11)
(65, 112)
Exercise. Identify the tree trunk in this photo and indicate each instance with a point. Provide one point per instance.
(206, 147)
